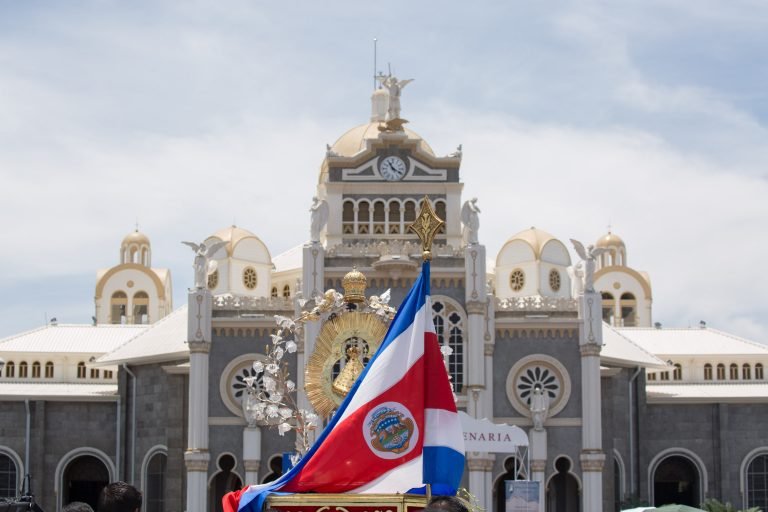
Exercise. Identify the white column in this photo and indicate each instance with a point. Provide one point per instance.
(538, 454)
(475, 300)
(313, 284)
(592, 456)
(196, 457)
(251, 454)
(480, 466)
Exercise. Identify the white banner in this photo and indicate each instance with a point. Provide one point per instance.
(484, 436)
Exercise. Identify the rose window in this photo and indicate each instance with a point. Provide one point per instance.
(249, 278)
(517, 280)
(554, 280)
(537, 376)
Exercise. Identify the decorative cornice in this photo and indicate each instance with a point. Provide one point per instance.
(199, 347)
(537, 303)
(479, 464)
(196, 465)
(476, 307)
(589, 350)
(538, 465)
(252, 465)
(592, 460)
(536, 332)
(389, 248)
(243, 303)
(488, 349)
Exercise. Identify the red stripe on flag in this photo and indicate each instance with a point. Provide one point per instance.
(345, 460)
(438, 392)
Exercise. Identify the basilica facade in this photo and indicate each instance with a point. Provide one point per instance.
(634, 412)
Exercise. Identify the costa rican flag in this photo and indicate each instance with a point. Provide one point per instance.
(396, 431)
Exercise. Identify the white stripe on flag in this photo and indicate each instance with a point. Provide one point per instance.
(397, 480)
(443, 428)
(392, 364)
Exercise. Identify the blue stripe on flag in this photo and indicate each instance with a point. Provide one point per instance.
(443, 464)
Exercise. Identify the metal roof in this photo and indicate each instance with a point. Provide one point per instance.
(71, 338)
(69, 392)
(618, 350)
(707, 393)
(691, 342)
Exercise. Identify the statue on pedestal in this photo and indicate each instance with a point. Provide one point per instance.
(204, 263)
(471, 219)
(539, 408)
(395, 88)
(319, 213)
(589, 256)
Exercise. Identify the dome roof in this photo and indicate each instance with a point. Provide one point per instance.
(135, 237)
(610, 240)
(536, 238)
(353, 141)
(234, 235)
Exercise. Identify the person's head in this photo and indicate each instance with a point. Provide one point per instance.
(446, 504)
(119, 497)
(77, 506)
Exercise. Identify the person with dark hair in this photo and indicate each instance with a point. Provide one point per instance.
(77, 506)
(119, 497)
(445, 504)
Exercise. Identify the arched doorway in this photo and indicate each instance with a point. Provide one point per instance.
(676, 480)
(83, 479)
(563, 489)
(515, 470)
(226, 480)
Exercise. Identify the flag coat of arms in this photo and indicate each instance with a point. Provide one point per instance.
(396, 431)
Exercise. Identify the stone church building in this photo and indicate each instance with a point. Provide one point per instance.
(153, 395)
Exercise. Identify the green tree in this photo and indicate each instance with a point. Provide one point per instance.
(713, 505)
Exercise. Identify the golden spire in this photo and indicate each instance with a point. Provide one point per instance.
(426, 226)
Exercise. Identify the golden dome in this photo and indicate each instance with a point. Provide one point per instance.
(355, 139)
(135, 237)
(354, 284)
(610, 240)
(536, 238)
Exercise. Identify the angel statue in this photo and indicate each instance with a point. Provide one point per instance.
(204, 263)
(395, 88)
(539, 408)
(588, 255)
(471, 219)
(319, 212)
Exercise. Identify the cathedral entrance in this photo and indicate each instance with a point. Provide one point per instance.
(563, 489)
(83, 479)
(676, 480)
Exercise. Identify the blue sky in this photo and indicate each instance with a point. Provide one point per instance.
(187, 116)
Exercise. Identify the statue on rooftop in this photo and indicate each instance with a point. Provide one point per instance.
(319, 213)
(589, 256)
(471, 219)
(395, 89)
(204, 263)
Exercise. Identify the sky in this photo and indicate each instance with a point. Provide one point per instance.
(186, 117)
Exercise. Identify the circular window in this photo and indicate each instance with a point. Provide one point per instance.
(213, 280)
(554, 280)
(249, 278)
(538, 371)
(232, 381)
(517, 280)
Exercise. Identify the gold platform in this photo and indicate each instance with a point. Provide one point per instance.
(347, 503)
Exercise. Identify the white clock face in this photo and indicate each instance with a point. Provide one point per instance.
(392, 168)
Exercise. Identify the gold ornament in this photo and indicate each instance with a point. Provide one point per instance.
(364, 332)
(354, 284)
(426, 226)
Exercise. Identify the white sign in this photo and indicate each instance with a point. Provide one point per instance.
(484, 436)
(521, 496)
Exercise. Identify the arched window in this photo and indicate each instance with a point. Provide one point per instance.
(449, 326)
(155, 483)
(394, 217)
(274, 292)
(628, 310)
(757, 482)
(225, 480)
(514, 470)
(23, 370)
(145, 257)
(379, 218)
(287, 292)
(676, 479)
(348, 218)
(141, 308)
(410, 212)
(118, 304)
(275, 465)
(746, 372)
(81, 370)
(94, 373)
(707, 371)
(9, 480)
(36, 370)
(609, 307)
(759, 371)
(440, 211)
(363, 217)
(721, 371)
(10, 370)
(49, 370)
(677, 374)
(734, 373)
